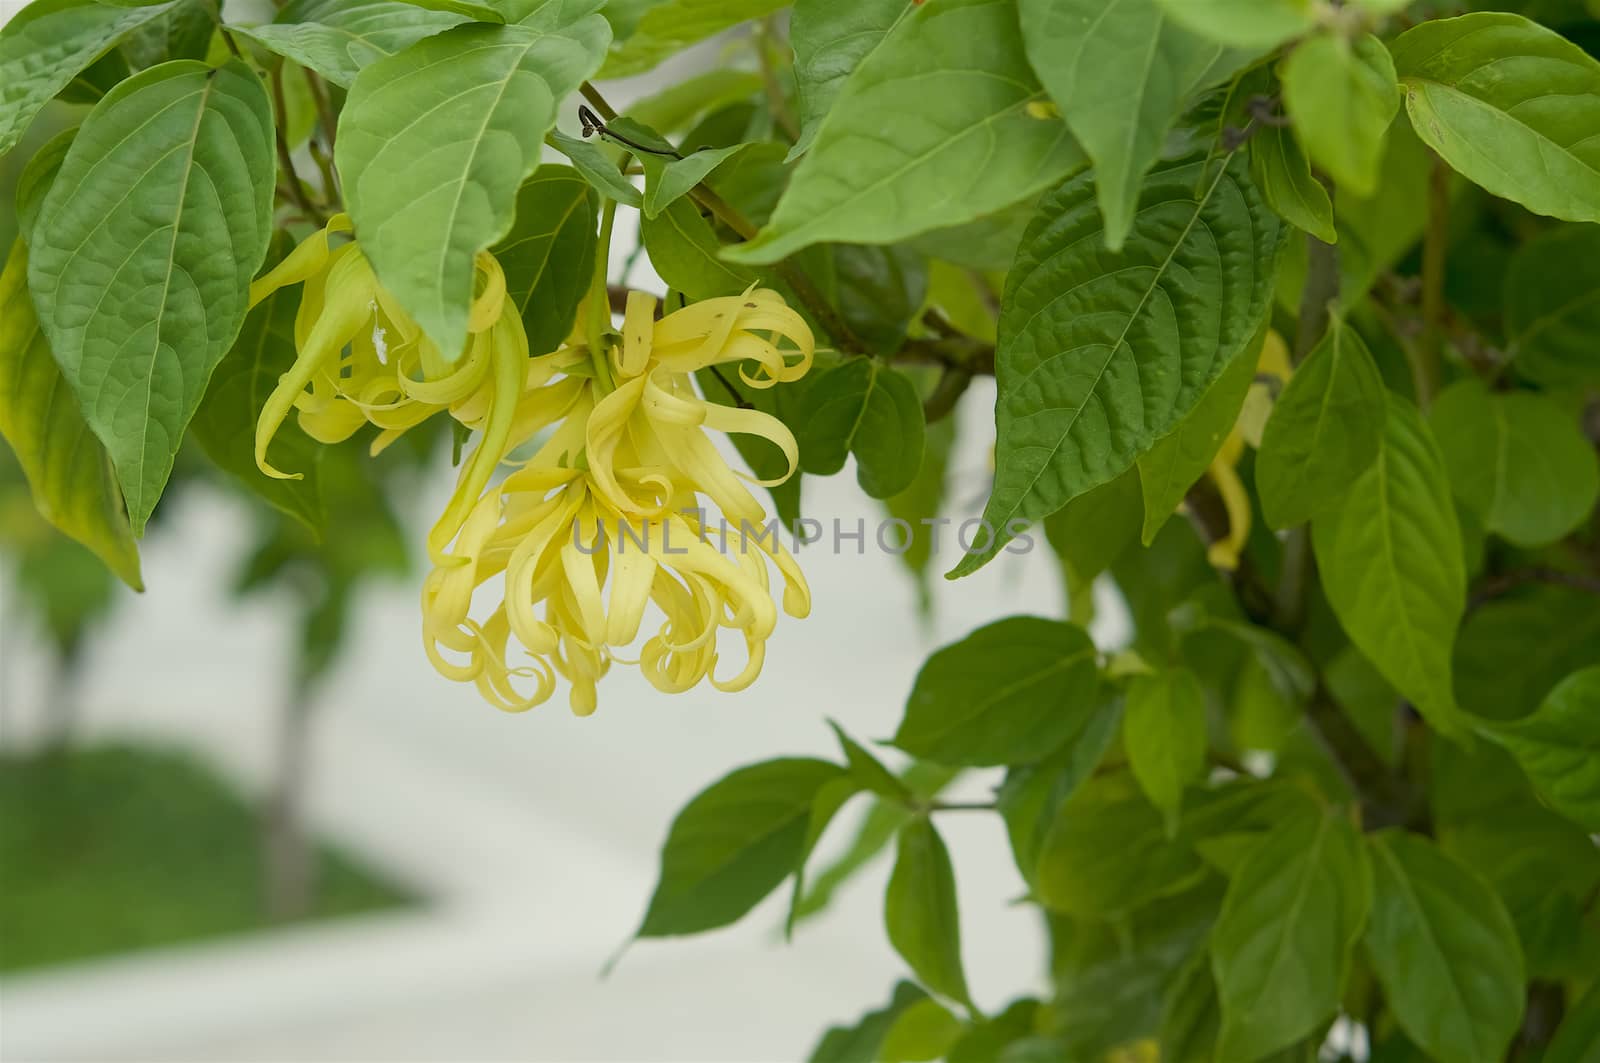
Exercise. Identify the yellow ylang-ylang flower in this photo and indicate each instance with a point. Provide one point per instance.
(624, 504)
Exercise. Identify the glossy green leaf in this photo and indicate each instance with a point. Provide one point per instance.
(1283, 173)
(923, 1032)
(1009, 693)
(865, 408)
(1552, 306)
(185, 209)
(685, 251)
(1168, 469)
(1390, 559)
(1341, 95)
(1164, 732)
(867, 770)
(548, 256)
(1281, 948)
(1511, 105)
(67, 469)
(919, 506)
(33, 184)
(434, 143)
(1106, 853)
(668, 180)
(1445, 951)
(861, 1043)
(1325, 430)
(677, 106)
(920, 911)
(1089, 533)
(1559, 747)
(337, 38)
(47, 44)
(1520, 461)
(829, 799)
(1122, 72)
(184, 32)
(879, 291)
(733, 844)
(987, 1040)
(670, 26)
(883, 167)
(600, 169)
(1103, 354)
(1550, 631)
(830, 39)
(1259, 24)
(1577, 1040)
(225, 423)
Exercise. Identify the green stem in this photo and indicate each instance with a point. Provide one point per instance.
(1425, 372)
(600, 302)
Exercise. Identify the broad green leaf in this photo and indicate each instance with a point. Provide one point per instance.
(1559, 747)
(879, 291)
(867, 770)
(1577, 1039)
(1550, 631)
(670, 26)
(1283, 174)
(733, 843)
(1552, 306)
(1103, 354)
(548, 256)
(33, 184)
(66, 467)
(47, 44)
(924, 1031)
(1106, 853)
(1164, 732)
(1225, 824)
(1009, 693)
(919, 506)
(1285, 664)
(1509, 104)
(677, 106)
(830, 39)
(861, 1043)
(1168, 469)
(866, 408)
(1341, 95)
(667, 180)
(185, 209)
(600, 169)
(989, 243)
(225, 423)
(920, 911)
(1258, 24)
(184, 32)
(1281, 948)
(1390, 558)
(985, 1041)
(1089, 533)
(434, 143)
(337, 38)
(880, 171)
(829, 799)
(1445, 951)
(495, 11)
(1325, 430)
(1122, 72)
(1518, 460)
(685, 252)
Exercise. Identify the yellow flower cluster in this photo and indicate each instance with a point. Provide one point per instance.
(605, 509)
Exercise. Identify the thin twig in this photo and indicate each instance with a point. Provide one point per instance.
(325, 115)
(297, 191)
(777, 103)
(1502, 585)
(1435, 244)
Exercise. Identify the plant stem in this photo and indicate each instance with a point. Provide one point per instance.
(297, 191)
(1316, 301)
(776, 102)
(600, 302)
(1425, 370)
(325, 115)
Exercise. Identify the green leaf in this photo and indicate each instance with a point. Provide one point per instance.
(863, 407)
(1390, 559)
(920, 911)
(1168, 469)
(1511, 105)
(1122, 72)
(924, 1031)
(1341, 96)
(225, 423)
(434, 143)
(879, 171)
(1559, 747)
(600, 169)
(919, 506)
(867, 770)
(670, 26)
(1550, 631)
(1009, 693)
(1164, 733)
(1281, 947)
(185, 208)
(684, 249)
(184, 32)
(1089, 533)
(338, 38)
(986, 1041)
(677, 106)
(667, 180)
(1552, 306)
(879, 291)
(733, 843)
(1106, 853)
(548, 256)
(1103, 354)
(861, 1043)
(1577, 1039)
(829, 799)
(1258, 24)
(66, 467)
(830, 39)
(1518, 460)
(33, 184)
(47, 44)
(1283, 173)
(1445, 951)
(1325, 430)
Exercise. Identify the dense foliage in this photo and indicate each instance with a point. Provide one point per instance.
(1322, 277)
